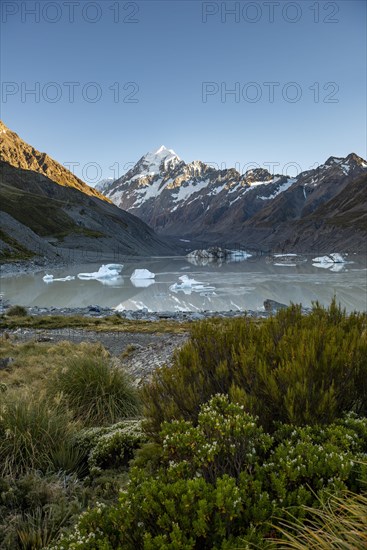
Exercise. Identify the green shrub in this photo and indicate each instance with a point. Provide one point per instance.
(110, 447)
(290, 368)
(17, 311)
(226, 440)
(222, 482)
(97, 393)
(32, 432)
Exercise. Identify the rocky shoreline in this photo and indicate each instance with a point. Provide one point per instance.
(24, 267)
(98, 312)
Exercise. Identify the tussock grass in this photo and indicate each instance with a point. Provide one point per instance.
(37, 528)
(32, 432)
(42, 463)
(340, 524)
(97, 393)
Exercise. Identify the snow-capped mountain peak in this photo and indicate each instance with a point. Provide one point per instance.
(333, 160)
(156, 161)
(179, 198)
(162, 150)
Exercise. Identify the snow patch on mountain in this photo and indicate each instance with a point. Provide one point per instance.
(185, 192)
(149, 192)
(280, 189)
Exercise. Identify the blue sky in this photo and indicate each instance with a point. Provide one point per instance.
(177, 60)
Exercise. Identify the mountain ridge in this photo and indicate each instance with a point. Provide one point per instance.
(195, 200)
(18, 153)
(42, 218)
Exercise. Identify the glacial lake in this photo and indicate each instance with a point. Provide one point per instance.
(237, 285)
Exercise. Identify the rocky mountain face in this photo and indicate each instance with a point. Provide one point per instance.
(197, 201)
(338, 224)
(67, 221)
(19, 154)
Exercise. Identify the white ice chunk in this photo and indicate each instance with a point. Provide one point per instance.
(323, 260)
(109, 271)
(142, 274)
(187, 282)
(284, 255)
(51, 279)
(240, 254)
(337, 258)
(333, 258)
(117, 267)
(188, 285)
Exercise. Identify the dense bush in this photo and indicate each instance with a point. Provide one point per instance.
(110, 447)
(293, 368)
(17, 311)
(222, 482)
(97, 393)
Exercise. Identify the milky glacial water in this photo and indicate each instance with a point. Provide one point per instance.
(242, 285)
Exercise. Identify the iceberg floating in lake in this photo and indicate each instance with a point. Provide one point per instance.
(334, 258)
(216, 254)
(51, 279)
(335, 261)
(118, 267)
(286, 260)
(337, 258)
(141, 274)
(108, 271)
(239, 254)
(188, 285)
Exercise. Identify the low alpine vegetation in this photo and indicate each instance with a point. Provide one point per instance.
(224, 483)
(291, 368)
(255, 438)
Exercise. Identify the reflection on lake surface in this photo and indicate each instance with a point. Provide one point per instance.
(240, 285)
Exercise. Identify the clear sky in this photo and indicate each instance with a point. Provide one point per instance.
(162, 72)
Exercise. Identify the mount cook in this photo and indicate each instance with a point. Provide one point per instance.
(263, 210)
